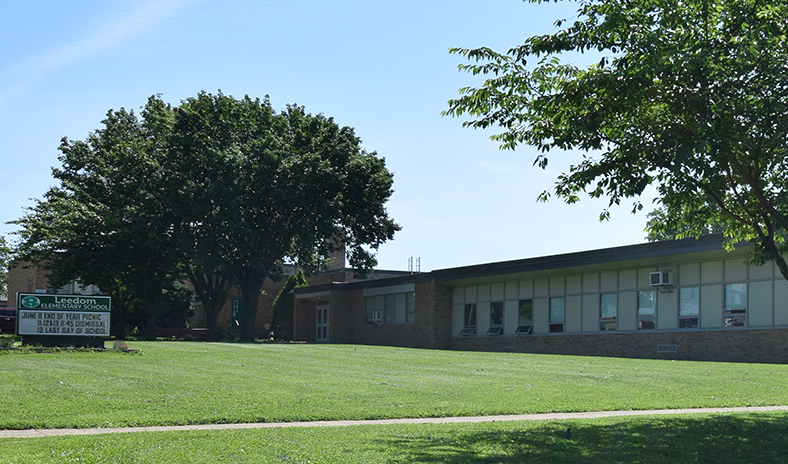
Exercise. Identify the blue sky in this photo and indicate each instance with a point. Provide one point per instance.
(381, 67)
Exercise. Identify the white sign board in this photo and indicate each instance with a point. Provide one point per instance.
(80, 315)
(32, 322)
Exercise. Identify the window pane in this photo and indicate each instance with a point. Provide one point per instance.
(735, 305)
(496, 313)
(557, 310)
(390, 309)
(608, 306)
(470, 315)
(647, 303)
(410, 306)
(688, 301)
(526, 312)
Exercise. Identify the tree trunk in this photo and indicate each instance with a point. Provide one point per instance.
(251, 286)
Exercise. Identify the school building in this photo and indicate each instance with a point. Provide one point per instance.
(685, 299)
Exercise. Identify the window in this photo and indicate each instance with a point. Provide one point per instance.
(525, 314)
(647, 309)
(496, 318)
(410, 307)
(557, 314)
(390, 309)
(735, 313)
(469, 320)
(689, 307)
(608, 310)
(373, 316)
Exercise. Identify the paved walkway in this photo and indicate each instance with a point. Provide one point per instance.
(33, 433)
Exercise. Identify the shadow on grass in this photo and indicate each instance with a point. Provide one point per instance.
(747, 438)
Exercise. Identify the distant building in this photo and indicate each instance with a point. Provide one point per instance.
(686, 299)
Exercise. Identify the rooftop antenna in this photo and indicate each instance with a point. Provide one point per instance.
(410, 264)
(418, 265)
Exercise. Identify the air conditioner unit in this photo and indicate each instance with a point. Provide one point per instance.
(658, 279)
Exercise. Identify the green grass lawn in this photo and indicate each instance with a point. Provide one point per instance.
(188, 383)
(713, 439)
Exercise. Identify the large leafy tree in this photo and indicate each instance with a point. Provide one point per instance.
(691, 97)
(5, 262)
(223, 189)
(109, 221)
(269, 187)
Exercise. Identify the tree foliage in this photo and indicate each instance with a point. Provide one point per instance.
(282, 309)
(224, 190)
(690, 97)
(5, 262)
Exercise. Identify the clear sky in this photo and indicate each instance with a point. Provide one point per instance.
(381, 67)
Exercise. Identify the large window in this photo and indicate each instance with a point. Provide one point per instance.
(496, 318)
(390, 309)
(689, 307)
(373, 317)
(469, 320)
(525, 315)
(410, 307)
(608, 310)
(647, 309)
(735, 313)
(557, 314)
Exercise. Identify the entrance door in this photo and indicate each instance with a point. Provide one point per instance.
(321, 321)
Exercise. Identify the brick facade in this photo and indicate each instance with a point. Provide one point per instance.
(761, 346)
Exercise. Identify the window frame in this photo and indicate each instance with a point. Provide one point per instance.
(496, 328)
(527, 328)
(605, 323)
(686, 320)
(555, 325)
(645, 320)
(732, 315)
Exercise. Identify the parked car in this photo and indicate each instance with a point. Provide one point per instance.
(7, 320)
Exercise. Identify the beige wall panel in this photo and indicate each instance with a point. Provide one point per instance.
(574, 285)
(510, 316)
(526, 289)
(541, 288)
(457, 313)
(667, 310)
(541, 315)
(644, 282)
(759, 304)
(761, 272)
(781, 302)
(627, 311)
(711, 272)
(496, 292)
(689, 274)
(557, 286)
(512, 291)
(458, 295)
(711, 306)
(609, 281)
(573, 314)
(591, 313)
(484, 292)
(628, 280)
(735, 270)
(471, 294)
(591, 283)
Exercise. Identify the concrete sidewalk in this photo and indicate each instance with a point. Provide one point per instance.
(33, 433)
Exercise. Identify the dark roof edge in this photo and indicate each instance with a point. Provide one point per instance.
(599, 256)
(372, 283)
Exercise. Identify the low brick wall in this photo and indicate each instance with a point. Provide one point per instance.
(761, 346)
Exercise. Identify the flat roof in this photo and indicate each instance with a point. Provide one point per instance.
(650, 250)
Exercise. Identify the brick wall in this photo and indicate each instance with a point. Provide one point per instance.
(762, 346)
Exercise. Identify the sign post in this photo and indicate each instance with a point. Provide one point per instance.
(58, 320)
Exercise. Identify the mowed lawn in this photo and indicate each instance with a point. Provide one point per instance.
(172, 383)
